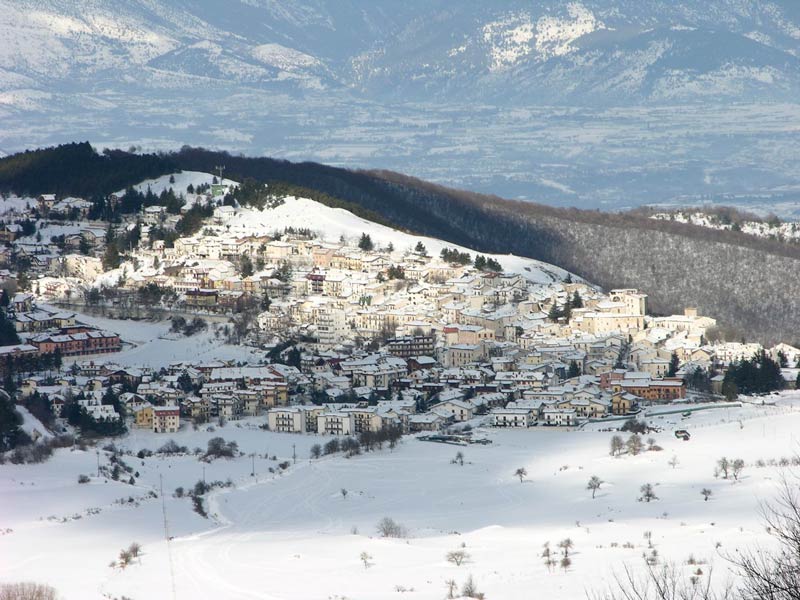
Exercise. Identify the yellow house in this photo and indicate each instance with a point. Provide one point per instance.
(622, 403)
(144, 417)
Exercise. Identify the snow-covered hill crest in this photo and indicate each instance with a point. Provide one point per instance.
(331, 224)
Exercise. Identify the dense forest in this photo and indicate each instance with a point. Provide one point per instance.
(77, 170)
(745, 282)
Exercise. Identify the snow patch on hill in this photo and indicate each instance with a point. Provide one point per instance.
(516, 36)
(283, 58)
(554, 35)
(183, 180)
(333, 223)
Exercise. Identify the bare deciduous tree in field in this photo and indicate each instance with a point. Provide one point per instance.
(594, 484)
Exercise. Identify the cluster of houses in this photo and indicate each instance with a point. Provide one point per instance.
(159, 399)
(50, 331)
(391, 336)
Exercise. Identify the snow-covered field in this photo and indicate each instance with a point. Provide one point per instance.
(151, 344)
(295, 536)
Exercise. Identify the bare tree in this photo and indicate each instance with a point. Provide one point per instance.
(565, 545)
(387, 527)
(27, 591)
(775, 574)
(617, 445)
(565, 563)
(673, 462)
(594, 484)
(660, 583)
(344, 494)
(521, 473)
(635, 444)
(547, 555)
(737, 466)
(724, 467)
(451, 588)
(365, 558)
(457, 557)
(706, 493)
(764, 574)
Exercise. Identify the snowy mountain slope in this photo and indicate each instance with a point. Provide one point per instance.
(500, 50)
(585, 52)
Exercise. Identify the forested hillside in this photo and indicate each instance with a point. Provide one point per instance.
(77, 169)
(747, 283)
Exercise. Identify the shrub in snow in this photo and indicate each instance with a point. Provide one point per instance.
(197, 505)
(171, 447)
(218, 448)
(635, 426)
(331, 446)
(470, 590)
(457, 557)
(648, 493)
(83, 479)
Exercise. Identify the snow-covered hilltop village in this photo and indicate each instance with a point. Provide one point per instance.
(346, 324)
(207, 336)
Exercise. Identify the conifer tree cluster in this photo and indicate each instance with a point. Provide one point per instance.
(757, 375)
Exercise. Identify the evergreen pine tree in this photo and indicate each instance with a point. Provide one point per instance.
(574, 370)
(674, 365)
(577, 301)
(365, 243)
(555, 313)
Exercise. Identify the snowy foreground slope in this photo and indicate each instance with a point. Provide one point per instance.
(294, 536)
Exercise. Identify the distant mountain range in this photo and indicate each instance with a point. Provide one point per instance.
(595, 103)
(507, 51)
